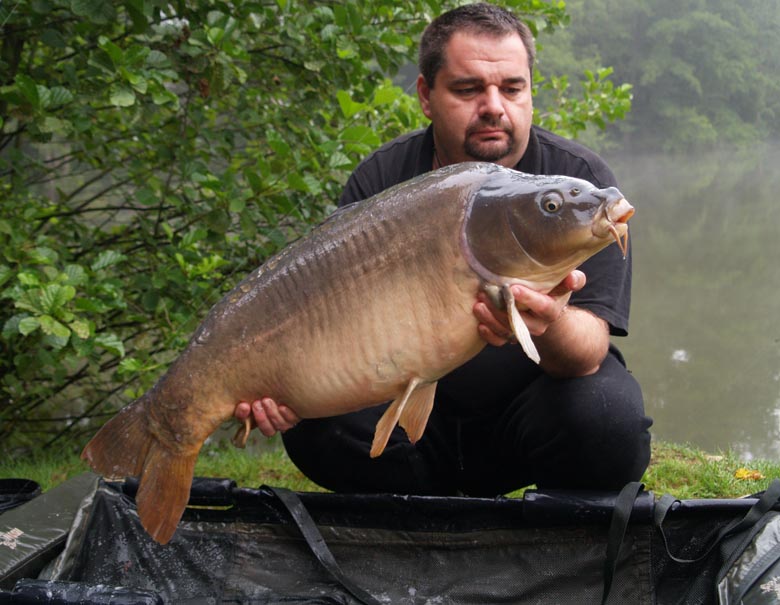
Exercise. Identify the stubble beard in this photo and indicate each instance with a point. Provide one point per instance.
(489, 151)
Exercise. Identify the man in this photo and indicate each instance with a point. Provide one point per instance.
(499, 422)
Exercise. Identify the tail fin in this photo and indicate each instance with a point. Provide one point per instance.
(164, 491)
(125, 446)
(120, 447)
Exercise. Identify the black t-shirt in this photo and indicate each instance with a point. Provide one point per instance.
(498, 374)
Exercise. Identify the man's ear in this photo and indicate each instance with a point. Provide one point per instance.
(423, 94)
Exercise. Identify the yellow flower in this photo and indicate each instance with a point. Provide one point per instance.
(747, 474)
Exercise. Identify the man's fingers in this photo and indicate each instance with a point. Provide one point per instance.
(488, 314)
(280, 416)
(269, 417)
(491, 337)
(264, 423)
(573, 282)
(289, 416)
(243, 411)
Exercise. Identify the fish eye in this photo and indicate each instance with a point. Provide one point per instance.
(551, 202)
(575, 191)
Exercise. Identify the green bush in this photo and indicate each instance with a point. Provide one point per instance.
(153, 153)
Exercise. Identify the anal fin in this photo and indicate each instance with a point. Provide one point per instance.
(519, 328)
(411, 410)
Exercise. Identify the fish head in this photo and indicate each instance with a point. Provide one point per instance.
(539, 228)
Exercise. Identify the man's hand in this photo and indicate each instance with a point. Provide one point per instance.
(270, 417)
(537, 310)
(571, 341)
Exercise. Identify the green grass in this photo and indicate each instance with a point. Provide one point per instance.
(681, 470)
(687, 472)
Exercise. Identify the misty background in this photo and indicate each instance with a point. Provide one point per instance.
(698, 157)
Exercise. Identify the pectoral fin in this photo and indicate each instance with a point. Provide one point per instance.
(410, 410)
(518, 325)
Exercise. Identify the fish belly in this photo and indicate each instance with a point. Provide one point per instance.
(397, 325)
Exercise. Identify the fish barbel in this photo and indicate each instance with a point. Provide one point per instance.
(373, 305)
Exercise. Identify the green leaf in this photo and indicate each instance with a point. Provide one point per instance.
(348, 107)
(130, 365)
(55, 126)
(313, 185)
(296, 182)
(279, 145)
(361, 134)
(97, 11)
(157, 59)
(52, 327)
(163, 96)
(43, 255)
(29, 89)
(75, 275)
(59, 96)
(135, 55)
(121, 96)
(28, 325)
(91, 305)
(52, 37)
(6, 273)
(194, 236)
(346, 50)
(255, 180)
(339, 160)
(55, 296)
(106, 259)
(215, 35)
(146, 196)
(80, 328)
(28, 279)
(137, 81)
(386, 95)
(116, 54)
(111, 343)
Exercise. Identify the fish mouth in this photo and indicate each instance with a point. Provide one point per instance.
(615, 223)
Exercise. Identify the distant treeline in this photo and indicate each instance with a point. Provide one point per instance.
(704, 72)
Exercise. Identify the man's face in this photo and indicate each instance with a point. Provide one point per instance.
(481, 105)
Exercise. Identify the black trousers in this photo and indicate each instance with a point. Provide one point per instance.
(579, 433)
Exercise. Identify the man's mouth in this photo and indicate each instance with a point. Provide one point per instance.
(492, 133)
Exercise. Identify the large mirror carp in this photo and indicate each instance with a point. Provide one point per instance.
(373, 305)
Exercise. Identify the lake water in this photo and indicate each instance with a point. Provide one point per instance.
(705, 323)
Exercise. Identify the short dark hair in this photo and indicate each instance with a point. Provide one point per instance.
(480, 18)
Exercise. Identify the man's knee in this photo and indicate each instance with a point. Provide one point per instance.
(334, 453)
(597, 431)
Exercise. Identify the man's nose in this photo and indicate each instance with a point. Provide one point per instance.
(492, 103)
